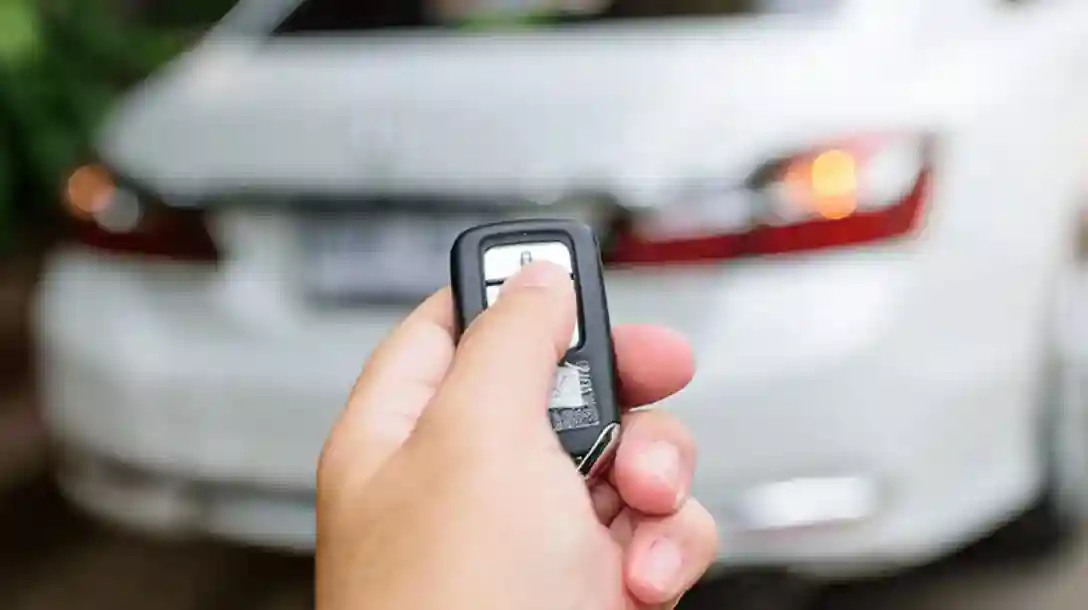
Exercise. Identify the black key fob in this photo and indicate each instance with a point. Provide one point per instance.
(584, 405)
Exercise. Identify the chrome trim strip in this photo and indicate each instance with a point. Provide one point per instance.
(600, 455)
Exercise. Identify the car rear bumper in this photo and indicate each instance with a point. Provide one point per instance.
(833, 446)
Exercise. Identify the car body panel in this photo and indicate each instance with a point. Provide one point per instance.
(912, 365)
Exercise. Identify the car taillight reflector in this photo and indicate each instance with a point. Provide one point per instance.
(111, 217)
(861, 191)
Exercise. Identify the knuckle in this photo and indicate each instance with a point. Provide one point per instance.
(703, 526)
(660, 424)
(329, 462)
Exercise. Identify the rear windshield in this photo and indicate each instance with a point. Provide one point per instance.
(362, 15)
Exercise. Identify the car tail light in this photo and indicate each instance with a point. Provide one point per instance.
(862, 190)
(108, 215)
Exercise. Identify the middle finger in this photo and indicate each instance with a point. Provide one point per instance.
(655, 462)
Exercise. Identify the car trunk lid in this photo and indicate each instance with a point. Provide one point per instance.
(621, 109)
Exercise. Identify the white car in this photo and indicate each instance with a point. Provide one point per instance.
(863, 214)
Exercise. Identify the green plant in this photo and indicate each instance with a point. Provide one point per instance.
(62, 64)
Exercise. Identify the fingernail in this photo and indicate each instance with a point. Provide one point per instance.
(661, 566)
(661, 460)
(541, 274)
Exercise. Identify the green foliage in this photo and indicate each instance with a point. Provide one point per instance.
(62, 64)
(18, 30)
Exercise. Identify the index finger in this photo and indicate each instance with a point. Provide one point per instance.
(653, 363)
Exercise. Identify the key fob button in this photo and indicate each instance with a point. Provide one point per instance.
(501, 262)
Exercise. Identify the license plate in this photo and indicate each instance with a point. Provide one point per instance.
(388, 257)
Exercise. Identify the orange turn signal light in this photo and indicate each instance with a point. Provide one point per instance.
(825, 184)
(89, 190)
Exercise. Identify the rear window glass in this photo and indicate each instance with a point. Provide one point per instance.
(363, 15)
(173, 13)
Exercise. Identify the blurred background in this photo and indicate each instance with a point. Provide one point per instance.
(867, 216)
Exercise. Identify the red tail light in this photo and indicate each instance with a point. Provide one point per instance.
(863, 190)
(112, 217)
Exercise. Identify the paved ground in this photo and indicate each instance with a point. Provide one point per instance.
(52, 558)
(975, 582)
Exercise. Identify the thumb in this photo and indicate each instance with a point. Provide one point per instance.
(497, 389)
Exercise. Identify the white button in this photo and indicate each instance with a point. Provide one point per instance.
(501, 262)
(493, 295)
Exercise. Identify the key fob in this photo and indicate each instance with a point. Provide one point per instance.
(584, 405)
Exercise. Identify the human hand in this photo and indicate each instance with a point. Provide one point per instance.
(443, 486)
